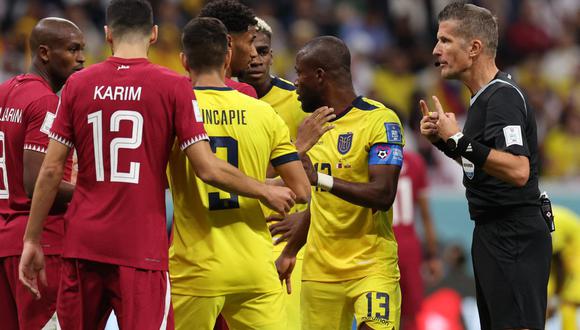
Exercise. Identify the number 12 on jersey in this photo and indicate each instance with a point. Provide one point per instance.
(96, 120)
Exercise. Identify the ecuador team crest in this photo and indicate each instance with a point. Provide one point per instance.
(344, 142)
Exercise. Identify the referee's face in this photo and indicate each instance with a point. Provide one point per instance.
(451, 50)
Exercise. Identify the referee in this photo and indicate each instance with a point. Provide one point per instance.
(498, 151)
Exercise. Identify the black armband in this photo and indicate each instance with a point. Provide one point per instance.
(473, 151)
(442, 146)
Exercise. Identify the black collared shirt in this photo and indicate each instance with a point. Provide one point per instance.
(501, 118)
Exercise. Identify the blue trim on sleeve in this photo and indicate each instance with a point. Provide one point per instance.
(386, 154)
(285, 159)
(214, 88)
(282, 84)
(360, 103)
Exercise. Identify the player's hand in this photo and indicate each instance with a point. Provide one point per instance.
(313, 127)
(428, 124)
(284, 265)
(285, 227)
(31, 268)
(309, 169)
(279, 199)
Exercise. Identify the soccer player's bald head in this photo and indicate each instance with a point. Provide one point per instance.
(57, 47)
(52, 32)
(329, 53)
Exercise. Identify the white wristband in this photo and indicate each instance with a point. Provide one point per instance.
(325, 181)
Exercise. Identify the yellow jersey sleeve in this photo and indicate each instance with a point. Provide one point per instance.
(283, 150)
(386, 128)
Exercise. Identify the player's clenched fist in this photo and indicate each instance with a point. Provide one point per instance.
(279, 199)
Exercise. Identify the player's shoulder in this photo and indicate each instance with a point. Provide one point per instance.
(34, 87)
(283, 84)
(374, 108)
(242, 87)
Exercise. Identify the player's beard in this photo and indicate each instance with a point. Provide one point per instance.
(310, 104)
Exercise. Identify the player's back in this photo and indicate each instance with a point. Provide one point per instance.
(221, 242)
(122, 115)
(24, 101)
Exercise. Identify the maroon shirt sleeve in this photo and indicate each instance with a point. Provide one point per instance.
(188, 121)
(41, 115)
(62, 129)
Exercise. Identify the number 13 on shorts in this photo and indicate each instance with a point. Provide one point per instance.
(376, 310)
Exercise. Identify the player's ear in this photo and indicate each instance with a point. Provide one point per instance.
(42, 52)
(154, 34)
(229, 41)
(228, 58)
(108, 35)
(320, 74)
(184, 62)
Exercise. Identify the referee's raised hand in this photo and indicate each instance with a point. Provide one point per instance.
(446, 124)
(428, 125)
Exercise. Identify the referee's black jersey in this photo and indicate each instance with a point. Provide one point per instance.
(500, 117)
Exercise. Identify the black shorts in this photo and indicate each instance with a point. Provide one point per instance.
(511, 262)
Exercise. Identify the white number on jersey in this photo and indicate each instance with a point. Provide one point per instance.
(403, 205)
(133, 142)
(4, 183)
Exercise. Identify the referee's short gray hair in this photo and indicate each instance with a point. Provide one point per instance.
(263, 27)
(474, 22)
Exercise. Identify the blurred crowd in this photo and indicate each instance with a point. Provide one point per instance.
(391, 43)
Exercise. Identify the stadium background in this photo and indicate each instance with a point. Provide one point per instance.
(391, 43)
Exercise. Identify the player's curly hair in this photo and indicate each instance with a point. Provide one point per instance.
(236, 16)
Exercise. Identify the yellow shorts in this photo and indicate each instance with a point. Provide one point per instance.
(241, 311)
(374, 300)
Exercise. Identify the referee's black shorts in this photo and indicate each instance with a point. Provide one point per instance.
(511, 261)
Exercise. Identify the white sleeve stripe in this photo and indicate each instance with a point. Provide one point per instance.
(60, 139)
(193, 140)
(36, 148)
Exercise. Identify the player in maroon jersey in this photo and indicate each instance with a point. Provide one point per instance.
(122, 116)
(241, 24)
(27, 106)
(411, 193)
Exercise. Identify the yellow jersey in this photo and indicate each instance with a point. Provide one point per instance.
(283, 98)
(347, 241)
(566, 242)
(221, 243)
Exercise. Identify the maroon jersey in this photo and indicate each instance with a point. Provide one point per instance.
(122, 116)
(242, 87)
(27, 107)
(412, 183)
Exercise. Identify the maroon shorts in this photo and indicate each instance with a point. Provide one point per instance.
(412, 291)
(89, 291)
(19, 308)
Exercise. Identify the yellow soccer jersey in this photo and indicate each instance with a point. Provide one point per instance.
(283, 98)
(346, 241)
(221, 243)
(566, 241)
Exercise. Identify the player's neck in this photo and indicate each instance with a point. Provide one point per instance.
(130, 50)
(211, 79)
(40, 71)
(263, 87)
(480, 75)
(229, 72)
(340, 99)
